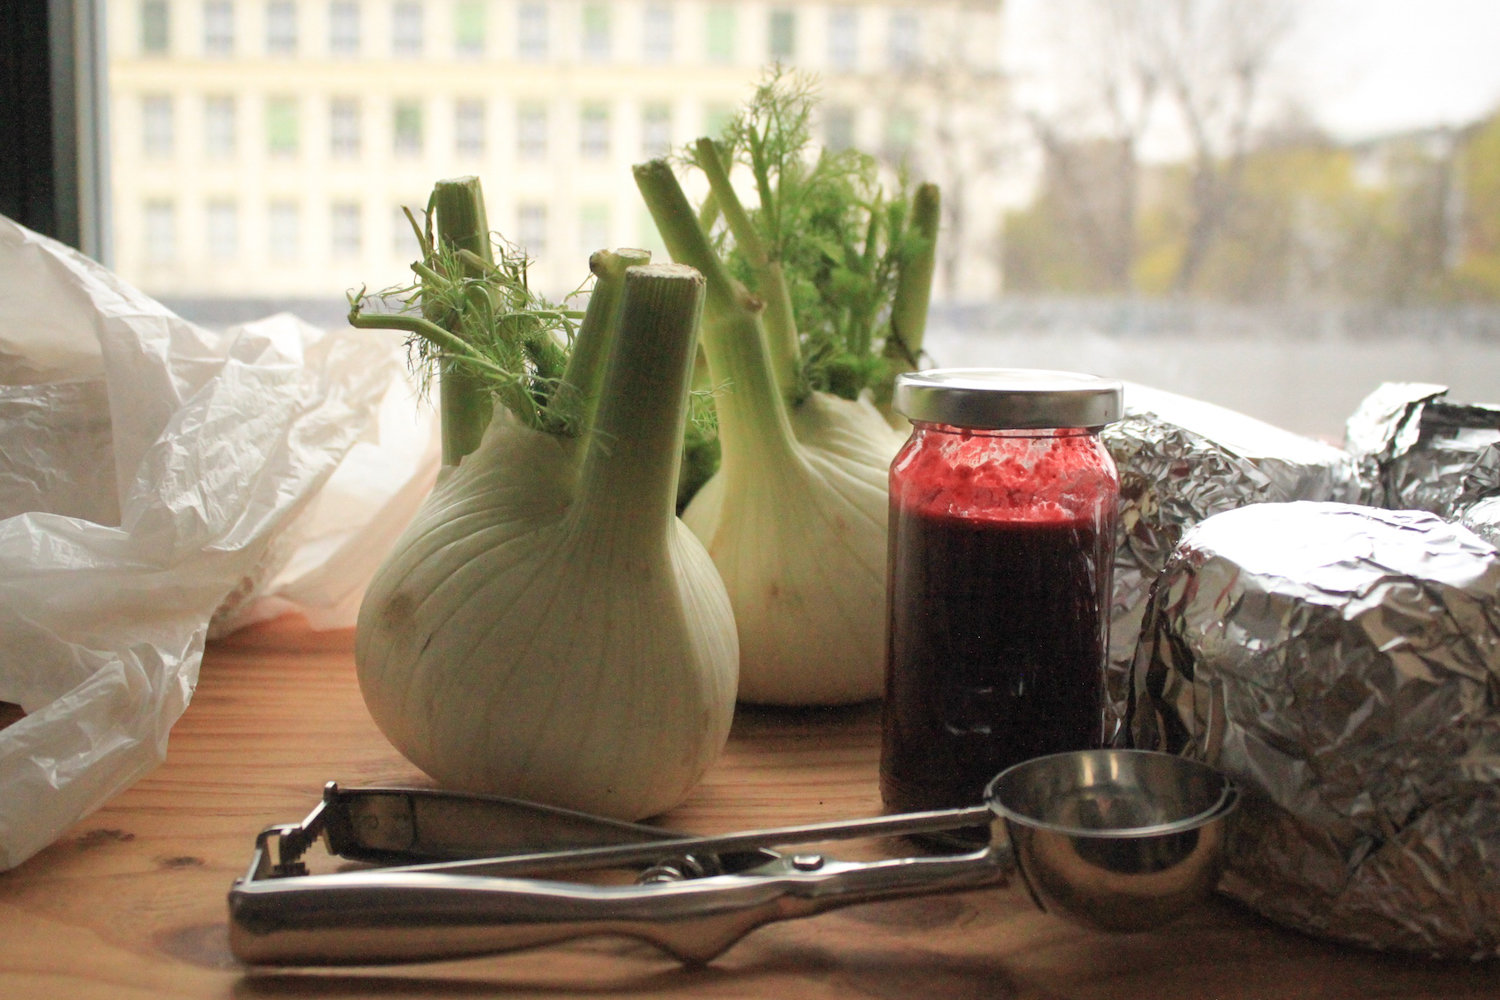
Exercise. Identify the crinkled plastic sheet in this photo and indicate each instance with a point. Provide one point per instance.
(1182, 460)
(1343, 664)
(145, 478)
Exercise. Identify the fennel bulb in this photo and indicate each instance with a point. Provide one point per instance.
(796, 515)
(529, 639)
(546, 628)
(798, 533)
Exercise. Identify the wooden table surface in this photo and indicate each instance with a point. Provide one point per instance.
(131, 901)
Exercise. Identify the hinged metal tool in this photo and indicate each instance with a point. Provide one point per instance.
(1114, 839)
(463, 875)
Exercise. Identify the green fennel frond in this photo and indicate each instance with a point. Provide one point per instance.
(480, 317)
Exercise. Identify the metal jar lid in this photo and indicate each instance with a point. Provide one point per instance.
(995, 398)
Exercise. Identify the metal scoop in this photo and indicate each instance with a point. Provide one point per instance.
(1133, 833)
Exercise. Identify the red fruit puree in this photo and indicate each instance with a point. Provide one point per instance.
(1001, 545)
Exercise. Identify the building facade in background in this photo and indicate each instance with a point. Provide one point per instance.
(265, 149)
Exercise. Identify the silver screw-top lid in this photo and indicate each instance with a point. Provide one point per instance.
(996, 398)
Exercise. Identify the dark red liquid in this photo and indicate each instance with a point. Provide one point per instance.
(995, 649)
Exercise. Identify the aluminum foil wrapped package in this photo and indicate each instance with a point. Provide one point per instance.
(1483, 518)
(1182, 460)
(1417, 450)
(1342, 664)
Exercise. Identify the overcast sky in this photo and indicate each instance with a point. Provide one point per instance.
(1362, 66)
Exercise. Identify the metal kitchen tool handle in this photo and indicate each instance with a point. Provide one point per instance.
(1115, 839)
(377, 917)
(701, 894)
(416, 825)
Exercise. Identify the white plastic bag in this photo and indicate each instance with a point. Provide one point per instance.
(171, 469)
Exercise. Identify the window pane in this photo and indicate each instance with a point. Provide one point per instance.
(343, 28)
(905, 48)
(531, 132)
(161, 231)
(282, 126)
(406, 128)
(716, 118)
(345, 237)
(281, 28)
(155, 33)
(593, 132)
(531, 31)
(721, 34)
(656, 130)
(596, 42)
(838, 128)
(284, 230)
(219, 127)
(157, 137)
(843, 38)
(1318, 214)
(646, 235)
(783, 35)
(404, 245)
(900, 136)
(406, 29)
(343, 127)
(656, 32)
(468, 28)
(223, 229)
(593, 228)
(468, 127)
(531, 228)
(218, 28)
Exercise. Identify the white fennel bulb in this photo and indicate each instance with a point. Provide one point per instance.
(817, 297)
(798, 532)
(796, 516)
(547, 628)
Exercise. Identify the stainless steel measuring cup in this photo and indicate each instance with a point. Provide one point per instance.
(1117, 839)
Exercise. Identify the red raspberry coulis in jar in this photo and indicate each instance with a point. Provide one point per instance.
(1000, 554)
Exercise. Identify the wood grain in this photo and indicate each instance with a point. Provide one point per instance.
(131, 901)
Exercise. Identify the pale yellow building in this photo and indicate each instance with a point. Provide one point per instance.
(264, 148)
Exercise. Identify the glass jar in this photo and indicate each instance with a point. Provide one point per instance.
(1002, 524)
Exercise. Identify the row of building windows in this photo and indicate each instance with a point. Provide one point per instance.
(282, 123)
(533, 32)
(285, 239)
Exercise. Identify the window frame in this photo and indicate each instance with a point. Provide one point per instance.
(345, 28)
(53, 105)
(282, 118)
(470, 29)
(218, 36)
(220, 126)
(532, 132)
(719, 34)
(658, 33)
(470, 127)
(345, 127)
(146, 36)
(408, 29)
(533, 31)
(595, 32)
(408, 127)
(158, 125)
(594, 128)
(781, 34)
(281, 28)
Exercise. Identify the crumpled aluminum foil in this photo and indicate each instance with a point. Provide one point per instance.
(1483, 518)
(1418, 451)
(1180, 461)
(1342, 663)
